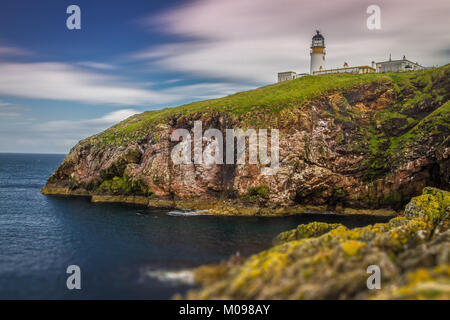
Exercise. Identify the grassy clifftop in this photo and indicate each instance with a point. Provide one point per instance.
(274, 98)
(346, 141)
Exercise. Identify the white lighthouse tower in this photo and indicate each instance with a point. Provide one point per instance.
(317, 53)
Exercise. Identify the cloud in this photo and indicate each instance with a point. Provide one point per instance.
(97, 65)
(202, 91)
(61, 81)
(252, 40)
(8, 110)
(54, 136)
(85, 127)
(249, 60)
(12, 51)
(61, 135)
(25, 134)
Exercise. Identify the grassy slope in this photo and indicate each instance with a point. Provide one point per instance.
(379, 145)
(273, 97)
(413, 89)
(276, 97)
(384, 140)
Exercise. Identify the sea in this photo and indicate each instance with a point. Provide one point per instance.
(121, 251)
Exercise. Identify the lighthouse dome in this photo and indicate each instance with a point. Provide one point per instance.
(318, 40)
(317, 36)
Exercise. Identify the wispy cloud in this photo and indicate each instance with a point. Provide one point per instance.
(251, 40)
(8, 110)
(63, 134)
(54, 136)
(202, 91)
(85, 127)
(97, 65)
(65, 82)
(12, 51)
(61, 81)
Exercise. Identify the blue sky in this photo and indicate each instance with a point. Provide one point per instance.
(58, 86)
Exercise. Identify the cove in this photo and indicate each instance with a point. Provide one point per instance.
(117, 247)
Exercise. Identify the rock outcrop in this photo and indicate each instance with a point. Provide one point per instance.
(346, 142)
(321, 261)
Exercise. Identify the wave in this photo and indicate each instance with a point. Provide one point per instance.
(322, 212)
(181, 276)
(188, 213)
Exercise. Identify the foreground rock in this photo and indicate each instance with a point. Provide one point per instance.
(346, 142)
(320, 261)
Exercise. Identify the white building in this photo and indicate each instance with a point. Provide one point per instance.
(347, 69)
(398, 65)
(289, 75)
(285, 76)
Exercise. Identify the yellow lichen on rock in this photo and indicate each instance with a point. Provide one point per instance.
(323, 261)
(433, 205)
(433, 283)
(352, 247)
(310, 230)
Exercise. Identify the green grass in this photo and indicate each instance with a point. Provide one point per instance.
(272, 99)
(383, 148)
(261, 191)
(123, 186)
(431, 124)
(395, 128)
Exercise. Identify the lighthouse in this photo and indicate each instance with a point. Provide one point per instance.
(317, 53)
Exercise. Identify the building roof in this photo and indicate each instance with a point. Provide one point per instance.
(345, 68)
(399, 60)
(318, 36)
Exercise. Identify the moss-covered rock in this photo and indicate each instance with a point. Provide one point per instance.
(311, 230)
(260, 192)
(322, 261)
(433, 206)
(352, 247)
(132, 155)
(116, 185)
(433, 283)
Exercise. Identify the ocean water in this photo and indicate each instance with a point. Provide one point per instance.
(124, 252)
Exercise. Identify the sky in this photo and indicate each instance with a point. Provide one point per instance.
(58, 86)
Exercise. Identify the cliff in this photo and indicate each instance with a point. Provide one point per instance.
(323, 261)
(347, 143)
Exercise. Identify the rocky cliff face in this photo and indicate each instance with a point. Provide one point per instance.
(346, 141)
